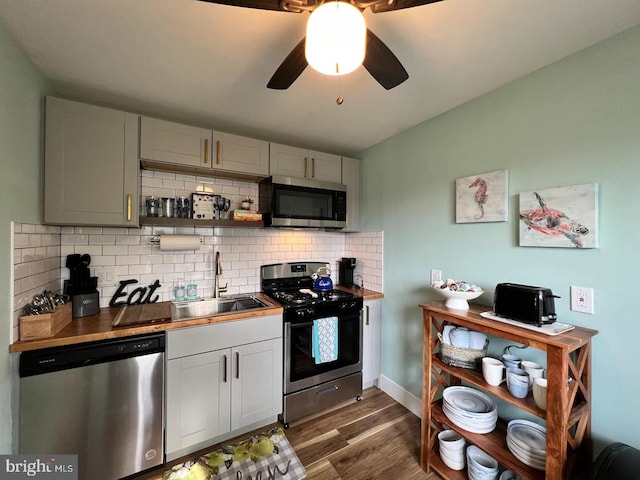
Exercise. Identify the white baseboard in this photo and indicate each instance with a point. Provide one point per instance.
(400, 395)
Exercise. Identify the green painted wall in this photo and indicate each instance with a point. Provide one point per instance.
(574, 122)
(21, 103)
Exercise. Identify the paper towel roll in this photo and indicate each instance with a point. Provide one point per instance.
(180, 242)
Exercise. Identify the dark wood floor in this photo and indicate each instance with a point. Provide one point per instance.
(374, 439)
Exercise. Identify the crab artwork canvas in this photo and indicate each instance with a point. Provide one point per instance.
(560, 217)
(482, 198)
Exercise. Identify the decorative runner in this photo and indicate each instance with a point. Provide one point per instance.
(266, 456)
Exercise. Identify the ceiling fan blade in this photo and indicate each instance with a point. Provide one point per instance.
(261, 4)
(290, 69)
(399, 5)
(382, 64)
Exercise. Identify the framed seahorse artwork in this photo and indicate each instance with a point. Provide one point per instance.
(482, 198)
(560, 217)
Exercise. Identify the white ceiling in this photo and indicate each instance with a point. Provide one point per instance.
(208, 64)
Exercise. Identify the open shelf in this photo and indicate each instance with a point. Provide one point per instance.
(568, 415)
(477, 380)
(194, 222)
(493, 443)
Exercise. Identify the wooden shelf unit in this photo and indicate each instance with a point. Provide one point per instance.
(194, 222)
(568, 414)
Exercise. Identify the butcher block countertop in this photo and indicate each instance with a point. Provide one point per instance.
(99, 326)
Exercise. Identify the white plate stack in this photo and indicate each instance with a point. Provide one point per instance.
(528, 443)
(470, 409)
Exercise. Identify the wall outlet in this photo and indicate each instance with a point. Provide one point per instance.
(582, 299)
(106, 276)
(436, 276)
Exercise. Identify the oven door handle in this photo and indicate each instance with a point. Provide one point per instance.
(300, 325)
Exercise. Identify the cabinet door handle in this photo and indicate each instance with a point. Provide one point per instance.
(306, 167)
(217, 152)
(128, 207)
(224, 360)
(206, 151)
(237, 364)
(366, 307)
(313, 168)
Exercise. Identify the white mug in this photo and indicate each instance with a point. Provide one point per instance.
(534, 370)
(540, 392)
(492, 371)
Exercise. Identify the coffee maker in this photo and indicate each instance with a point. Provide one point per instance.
(347, 266)
(81, 286)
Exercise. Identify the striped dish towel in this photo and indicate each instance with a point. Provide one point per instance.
(325, 340)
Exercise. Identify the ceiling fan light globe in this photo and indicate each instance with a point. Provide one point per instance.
(336, 38)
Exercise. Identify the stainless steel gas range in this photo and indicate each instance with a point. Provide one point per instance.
(322, 340)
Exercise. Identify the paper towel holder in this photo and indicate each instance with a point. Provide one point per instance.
(155, 240)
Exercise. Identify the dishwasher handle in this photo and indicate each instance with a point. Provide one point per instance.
(38, 362)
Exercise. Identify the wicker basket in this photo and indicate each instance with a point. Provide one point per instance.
(462, 357)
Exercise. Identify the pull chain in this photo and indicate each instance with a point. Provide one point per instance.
(340, 99)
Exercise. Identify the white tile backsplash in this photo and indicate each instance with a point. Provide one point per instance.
(36, 265)
(40, 251)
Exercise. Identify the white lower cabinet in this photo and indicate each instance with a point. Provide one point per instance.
(371, 343)
(222, 380)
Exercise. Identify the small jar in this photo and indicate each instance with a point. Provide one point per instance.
(179, 291)
(192, 292)
(168, 207)
(153, 206)
(183, 207)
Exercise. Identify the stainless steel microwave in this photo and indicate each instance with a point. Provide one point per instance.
(302, 203)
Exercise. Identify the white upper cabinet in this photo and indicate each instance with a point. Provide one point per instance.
(297, 162)
(174, 143)
(90, 165)
(176, 147)
(351, 177)
(240, 154)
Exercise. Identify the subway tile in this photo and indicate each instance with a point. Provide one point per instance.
(92, 250)
(115, 250)
(164, 175)
(21, 240)
(173, 184)
(123, 270)
(127, 260)
(127, 240)
(139, 249)
(151, 259)
(103, 260)
(74, 239)
(162, 268)
(164, 192)
(138, 269)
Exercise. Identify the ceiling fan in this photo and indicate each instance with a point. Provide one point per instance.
(379, 60)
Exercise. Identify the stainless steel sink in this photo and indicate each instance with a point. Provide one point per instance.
(215, 306)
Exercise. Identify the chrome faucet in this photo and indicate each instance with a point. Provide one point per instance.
(217, 289)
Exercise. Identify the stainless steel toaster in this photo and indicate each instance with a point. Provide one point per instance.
(525, 303)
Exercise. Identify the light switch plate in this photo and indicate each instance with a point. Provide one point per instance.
(436, 276)
(582, 299)
(106, 276)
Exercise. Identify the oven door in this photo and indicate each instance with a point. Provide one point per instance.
(300, 368)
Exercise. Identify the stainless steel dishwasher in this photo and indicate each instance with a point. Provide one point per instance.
(101, 400)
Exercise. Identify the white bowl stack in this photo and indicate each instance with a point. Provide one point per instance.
(528, 443)
(469, 409)
(481, 466)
